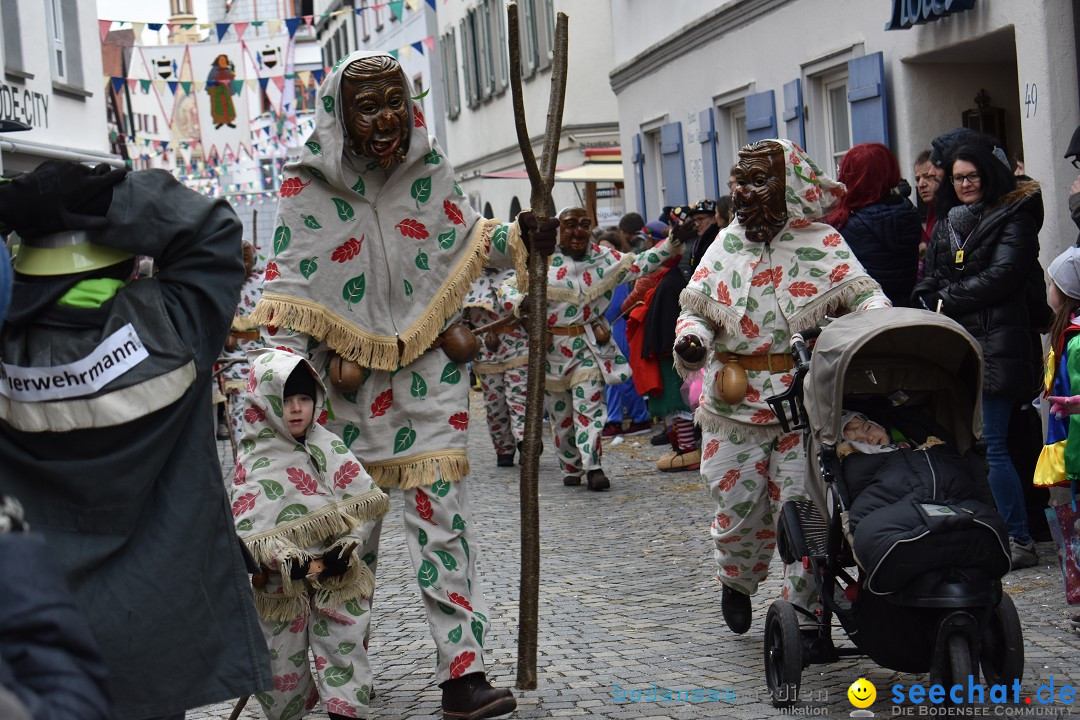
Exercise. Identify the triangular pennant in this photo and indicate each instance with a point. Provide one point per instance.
(144, 85)
(273, 27)
(291, 24)
(395, 8)
(308, 19)
(304, 76)
(185, 85)
(406, 51)
(413, 4)
(137, 27)
(431, 3)
(418, 46)
(236, 86)
(240, 27)
(393, 53)
(257, 23)
(280, 82)
(173, 84)
(222, 28)
(103, 28)
(199, 86)
(164, 144)
(318, 75)
(155, 27)
(159, 85)
(263, 82)
(430, 42)
(132, 82)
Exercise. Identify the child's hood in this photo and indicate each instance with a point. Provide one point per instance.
(270, 368)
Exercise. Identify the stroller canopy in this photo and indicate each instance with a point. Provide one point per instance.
(880, 352)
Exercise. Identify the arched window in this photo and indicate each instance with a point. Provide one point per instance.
(515, 208)
(488, 212)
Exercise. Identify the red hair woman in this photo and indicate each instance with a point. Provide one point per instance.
(881, 226)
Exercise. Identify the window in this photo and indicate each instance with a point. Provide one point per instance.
(529, 56)
(837, 118)
(13, 62)
(448, 55)
(365, 31)
(418, 86)
(468, 61)
(378, 17)
(500, 59)
(57, 51)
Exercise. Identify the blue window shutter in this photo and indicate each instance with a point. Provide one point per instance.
(672, 164)
(760, 116)
(638, 159)
(866, 94)
(707, 138)
(793, 113)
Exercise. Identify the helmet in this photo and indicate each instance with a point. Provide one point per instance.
(63, 253)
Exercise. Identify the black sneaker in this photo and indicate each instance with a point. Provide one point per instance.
(735, 607)
(471, 697)
(659, 439)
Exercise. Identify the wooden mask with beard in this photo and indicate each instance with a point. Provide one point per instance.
(376, 110)
(760, 204)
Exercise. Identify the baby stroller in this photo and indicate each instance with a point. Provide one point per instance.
(925, 593)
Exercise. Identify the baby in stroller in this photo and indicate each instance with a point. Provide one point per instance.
(914, 507)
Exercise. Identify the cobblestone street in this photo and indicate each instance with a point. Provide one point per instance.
(628, 599)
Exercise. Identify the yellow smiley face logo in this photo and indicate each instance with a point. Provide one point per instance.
(862, 693)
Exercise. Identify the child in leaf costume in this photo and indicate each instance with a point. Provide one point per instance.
(303, 504)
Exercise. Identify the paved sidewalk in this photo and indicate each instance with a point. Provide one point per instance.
(628, 599)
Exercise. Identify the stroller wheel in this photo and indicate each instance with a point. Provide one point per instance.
(957, 662)
(783, 653)
(1001, 649)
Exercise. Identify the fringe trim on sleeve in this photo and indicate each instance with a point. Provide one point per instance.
(723, 316)
(419, 470)
(332, 593)
(613, 276)
(496, 368)
(580, 375)
(380, 351)
(314, 528)
(719, 425)
(519, 254)
(276, 607)
(841, 295)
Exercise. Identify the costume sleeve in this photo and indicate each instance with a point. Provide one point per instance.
(641, 288)
(690, 323)
(1016, 249)
(48, 657)
(870, 299)
(196, 244)
(652, 260)
(507, 250)
(510, 296)
(1072, 443)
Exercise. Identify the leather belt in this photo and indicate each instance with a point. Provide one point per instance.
(570, 330)
(507, 327)
(774, 363)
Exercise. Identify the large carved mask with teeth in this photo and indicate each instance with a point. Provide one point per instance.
(376, 110)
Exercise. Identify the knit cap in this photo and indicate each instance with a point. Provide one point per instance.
(1065, 272)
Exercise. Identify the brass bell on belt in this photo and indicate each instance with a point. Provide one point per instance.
(732, 383)
(345, 375)
(459, 343)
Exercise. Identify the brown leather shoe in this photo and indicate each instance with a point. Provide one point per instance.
(676, 461)
(471, 697)
(571, 480)
(597, 480)
(504, 460)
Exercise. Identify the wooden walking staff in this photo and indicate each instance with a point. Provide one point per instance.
(541, 179)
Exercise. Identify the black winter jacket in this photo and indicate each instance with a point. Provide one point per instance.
(991, 292)
(885, 238)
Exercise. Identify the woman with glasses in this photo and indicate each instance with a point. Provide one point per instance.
(986, 242)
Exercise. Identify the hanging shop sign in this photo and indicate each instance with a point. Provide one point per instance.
(906, 13)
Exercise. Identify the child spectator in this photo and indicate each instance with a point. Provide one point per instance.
(303, 504)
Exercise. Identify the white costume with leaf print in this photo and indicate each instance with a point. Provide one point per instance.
(373, 265)
(294, 500)
(502, 372)
(748, 298)
(577, 367)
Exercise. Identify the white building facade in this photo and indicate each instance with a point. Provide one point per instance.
(52, 81)
(480, 135)
(705, 78)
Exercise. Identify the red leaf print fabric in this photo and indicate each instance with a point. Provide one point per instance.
(752, 395)
(340, 707)
(788, 442)
(722, 521)
(423, 507)
(702, 272)
(458, 600)
(567, 351)
(800, 223)
(459, 420)
(461, 663)
(453, 213)
(337, 617)
(728, 481)
(298, 625)
(292, 186)
(272, 271)
(239, 475)
(412, 229)
(347, 250)
(586, 311)
(382, 403)
(346, 474)
(243, 504)
(749, 328)
(762, 278)
(286, 683)
(839, 272)
(832, 240)
(774, 491)
(762, 416)
(722, 293)
(710, 449)
(418, 117)
(303, 482)
(323, 417)
(801, 288)
(587, 278)
(561, 273)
